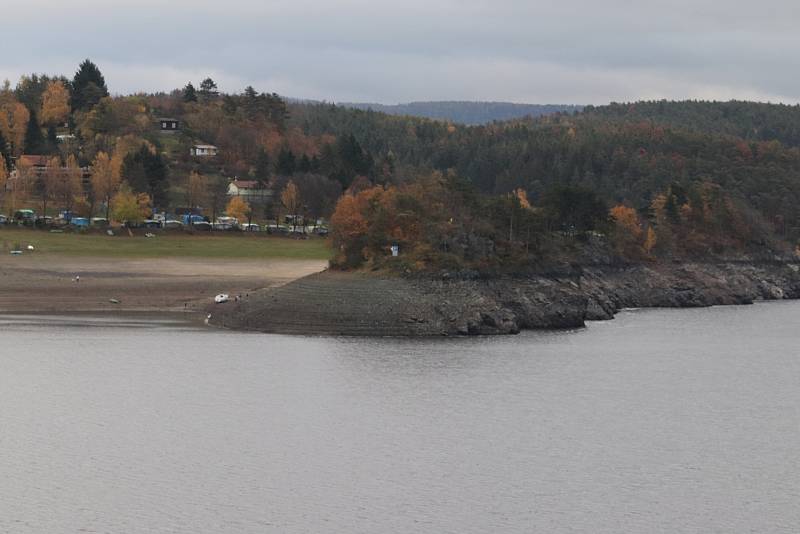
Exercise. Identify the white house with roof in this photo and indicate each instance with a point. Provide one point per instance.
(249, 190)
(203, 151)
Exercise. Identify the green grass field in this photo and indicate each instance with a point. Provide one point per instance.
(173, 245)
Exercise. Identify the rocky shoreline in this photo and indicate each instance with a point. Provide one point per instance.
(369, 304)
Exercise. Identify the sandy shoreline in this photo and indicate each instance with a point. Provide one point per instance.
(45, 283)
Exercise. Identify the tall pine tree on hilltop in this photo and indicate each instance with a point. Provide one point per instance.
(34, 140)
(189, 93)
(88, 86)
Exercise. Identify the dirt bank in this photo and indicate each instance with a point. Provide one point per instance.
(337, 303)
(45, 283)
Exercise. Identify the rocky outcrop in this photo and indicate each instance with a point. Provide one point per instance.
(366, 304)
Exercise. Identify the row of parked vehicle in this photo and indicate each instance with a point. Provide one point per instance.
(29, 218)
(223, 225)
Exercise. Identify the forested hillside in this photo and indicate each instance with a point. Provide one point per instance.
(622, 160)
(655, 178)
(749, 120)
(469, 113)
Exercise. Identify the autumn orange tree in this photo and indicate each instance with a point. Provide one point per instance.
(13, 123)
(290, 199)
(239, 209)
(628, 234)
(351, 223)
(55, 104)
(417, 217)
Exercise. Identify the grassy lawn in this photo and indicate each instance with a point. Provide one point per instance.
(166, 245)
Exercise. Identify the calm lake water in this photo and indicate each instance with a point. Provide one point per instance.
(659, 421)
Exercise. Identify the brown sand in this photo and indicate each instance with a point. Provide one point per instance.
(34, 283)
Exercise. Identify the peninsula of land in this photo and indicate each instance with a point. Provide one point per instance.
(370, 304)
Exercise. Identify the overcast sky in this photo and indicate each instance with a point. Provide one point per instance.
(568, 51)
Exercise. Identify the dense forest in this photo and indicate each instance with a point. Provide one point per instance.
(748, 120)
(625, 161)
(468, 113)
(648, 179)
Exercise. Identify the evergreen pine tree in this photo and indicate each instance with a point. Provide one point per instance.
(4, 151)
(304, 165)
(229, 105)
(250, 93)
(147, 173)
(88, 86)
(671, 209)
(251, 102)
(34, 140)
(286, 162)
(189, 93)
(208, 89)
(263, 168)
(51, 136)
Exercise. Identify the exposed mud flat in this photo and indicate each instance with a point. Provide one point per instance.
(56, 284)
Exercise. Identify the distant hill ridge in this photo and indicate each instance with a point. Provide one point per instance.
(751, 121)
(469, 113)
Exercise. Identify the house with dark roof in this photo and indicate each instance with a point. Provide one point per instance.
(168, 125)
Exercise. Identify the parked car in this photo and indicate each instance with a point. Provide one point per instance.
(150, 223)
(79, 222)
(233, 221)
(203, 226)
(172, 224)
(251, 227)
(99, 221)
(277, 229)
(25, 217)
(3, 219)
(44, 221)
(189, 220)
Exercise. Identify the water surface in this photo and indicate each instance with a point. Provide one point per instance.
(659, 421)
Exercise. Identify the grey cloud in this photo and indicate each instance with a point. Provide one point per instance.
(536, 51)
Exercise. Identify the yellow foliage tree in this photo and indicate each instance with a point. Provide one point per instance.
(196, 189)
(105, 181)
(650, 242)
(290, 198)
(129, 207)
(627, 220)
(23, 182)
(522, 196)
(629, 233)
(17, 123)
(55, 104)
(71, 184)
(238, 208)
